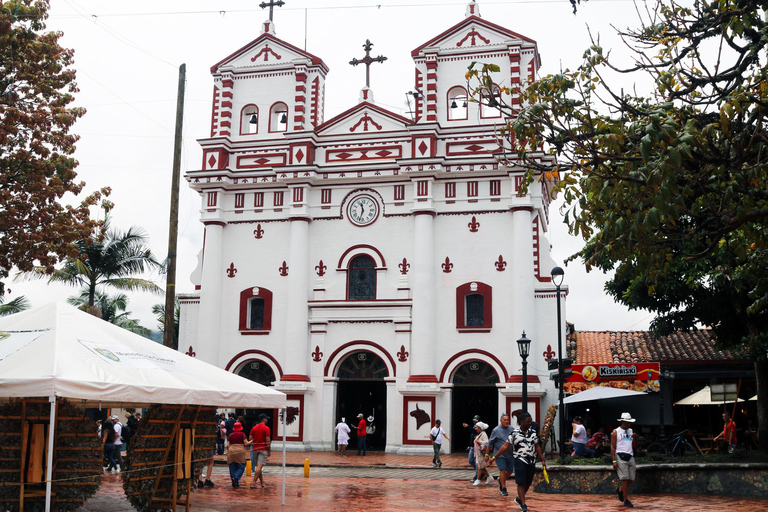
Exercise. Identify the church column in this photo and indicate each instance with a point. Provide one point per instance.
(296, 344)
(431, 99)
(210, 327)
(423, 346)
(300, 99)
(522, 266)
(225, 110)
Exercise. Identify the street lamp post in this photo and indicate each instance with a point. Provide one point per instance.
(524, 347)
(558, 274)
(666, 375)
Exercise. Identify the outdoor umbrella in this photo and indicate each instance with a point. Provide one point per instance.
(703, 397)
(601, 393)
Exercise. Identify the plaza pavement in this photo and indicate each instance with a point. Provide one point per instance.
(388, 482)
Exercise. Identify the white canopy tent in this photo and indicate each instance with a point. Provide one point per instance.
(57, 351)
(600, 393)
(703, 397)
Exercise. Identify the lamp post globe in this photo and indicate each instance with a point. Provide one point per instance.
(558, 274)
(524, 348)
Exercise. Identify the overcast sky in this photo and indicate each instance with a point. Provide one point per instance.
(127, 56)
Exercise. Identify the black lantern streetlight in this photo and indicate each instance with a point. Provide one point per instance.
(524, 347)
(558, 274)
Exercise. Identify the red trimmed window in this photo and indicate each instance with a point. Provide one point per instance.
(298, 195)
(212, 199)
(325, 195)
(450, 190)
(457, 103)
(361, 278)
(422, 188)
(399, 192)
(495, 187)
(474, 307)
(278, 199)
(471, 189)
(278, 117)
(255, 311)
(239, 200)
(249, 120)
(258, 200)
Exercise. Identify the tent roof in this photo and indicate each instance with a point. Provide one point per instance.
(600, 393)
(702, 397)
(58, 350)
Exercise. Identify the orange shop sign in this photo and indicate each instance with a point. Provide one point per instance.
(608, 372)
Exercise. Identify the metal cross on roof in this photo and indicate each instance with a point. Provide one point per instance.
(367, 60)
(271, 4)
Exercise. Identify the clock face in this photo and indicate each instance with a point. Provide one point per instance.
(363, 210)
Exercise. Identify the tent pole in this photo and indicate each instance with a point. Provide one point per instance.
(49, 468)
(285, 414)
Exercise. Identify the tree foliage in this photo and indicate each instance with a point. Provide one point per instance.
(16, 305)
(110, 258)
(36, 165)
(668, 187)
(159, 311)
(110, 308)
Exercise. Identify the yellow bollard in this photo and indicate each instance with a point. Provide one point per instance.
(306, 468)
(248, 468)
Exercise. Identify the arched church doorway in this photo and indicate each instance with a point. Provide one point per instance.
(260, 372)
(474, 392)
(362, 389)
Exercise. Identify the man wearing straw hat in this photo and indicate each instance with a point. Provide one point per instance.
(623, 444)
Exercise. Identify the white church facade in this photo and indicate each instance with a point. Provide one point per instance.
(371, 263)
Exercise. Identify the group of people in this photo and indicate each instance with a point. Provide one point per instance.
(232, 435)
(515, 450)
(115, 438)
(342, 436)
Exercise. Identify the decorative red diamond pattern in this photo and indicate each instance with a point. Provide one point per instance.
(474, 148)
(262, 161)
(299, 155)
(211, 161)
(383, 153)
(344, 156)
(423, 147)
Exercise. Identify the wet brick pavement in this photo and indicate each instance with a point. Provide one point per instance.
(388, 482)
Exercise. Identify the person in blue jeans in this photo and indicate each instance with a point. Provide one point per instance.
(472, 436)
(108, 435)
(237, 453)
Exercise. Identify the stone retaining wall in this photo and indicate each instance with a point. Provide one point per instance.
(717, 479)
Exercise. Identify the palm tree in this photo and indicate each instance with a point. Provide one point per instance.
(159, 311)
(109, 258)
(110, 308)
(20, 303)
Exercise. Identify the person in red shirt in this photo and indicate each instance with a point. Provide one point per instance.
(728, 435)
(362, 434)
(260, 450)
(237, 453)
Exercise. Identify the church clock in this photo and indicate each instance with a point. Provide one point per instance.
(363, 210)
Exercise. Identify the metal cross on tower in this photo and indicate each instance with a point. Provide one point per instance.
(271, 4)
(368, 60)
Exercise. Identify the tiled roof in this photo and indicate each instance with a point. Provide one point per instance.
(641, 346)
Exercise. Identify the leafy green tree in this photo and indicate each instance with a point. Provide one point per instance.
(109, 259)
(36, 164)
(159, 311)
(110, 308)
(668, 188)
(16, 305)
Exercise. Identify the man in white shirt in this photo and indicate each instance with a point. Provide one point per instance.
(118, 442)
(623, 444)
(437, 434)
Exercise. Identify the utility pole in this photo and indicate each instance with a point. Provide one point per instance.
(173, 228)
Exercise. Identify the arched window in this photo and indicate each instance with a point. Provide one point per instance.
(278, 117)
(258, 371)
(474, 311)
(361, 278)
(249, 120)
(490, 102)
(255, 311)
(457, 103)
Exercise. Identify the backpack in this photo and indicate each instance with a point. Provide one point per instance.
(126, 432)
